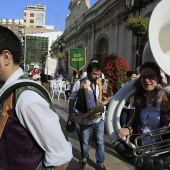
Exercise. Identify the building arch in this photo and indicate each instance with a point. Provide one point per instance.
(102, 47)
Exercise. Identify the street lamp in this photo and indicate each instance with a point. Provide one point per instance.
(61, 44)
(129, 4)
(136, 5)
(132, 7)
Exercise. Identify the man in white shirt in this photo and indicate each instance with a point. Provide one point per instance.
(87, 93)
(30, 131)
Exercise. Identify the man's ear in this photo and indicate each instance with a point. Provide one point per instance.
(7, 57)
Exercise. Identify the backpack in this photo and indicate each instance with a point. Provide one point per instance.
(25, 83)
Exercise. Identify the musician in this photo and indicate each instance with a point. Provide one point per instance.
(30, 132)
(87, 93)
(151, 105)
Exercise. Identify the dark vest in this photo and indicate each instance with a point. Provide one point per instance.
(81, 104)
(18, 149)
(82, 99)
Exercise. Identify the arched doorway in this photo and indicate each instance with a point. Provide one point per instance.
(102, 48)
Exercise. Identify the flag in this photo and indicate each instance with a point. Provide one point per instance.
(77, 58)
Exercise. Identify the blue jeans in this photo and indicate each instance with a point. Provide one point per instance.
(98, 132)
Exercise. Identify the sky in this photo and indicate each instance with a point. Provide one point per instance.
(56, 10)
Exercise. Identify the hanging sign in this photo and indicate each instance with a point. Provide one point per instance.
(77, 58)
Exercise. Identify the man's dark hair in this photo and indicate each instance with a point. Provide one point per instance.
(9, 41)
(91, 66)
(130, 73)
(93, 59)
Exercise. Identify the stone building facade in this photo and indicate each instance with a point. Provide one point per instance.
(101, 30)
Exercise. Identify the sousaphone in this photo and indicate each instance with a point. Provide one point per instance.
(157, 50)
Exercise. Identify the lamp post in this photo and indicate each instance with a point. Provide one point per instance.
(61, 44)
(134, 6)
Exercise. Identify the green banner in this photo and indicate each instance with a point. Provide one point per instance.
(77, 58)
(31, 67)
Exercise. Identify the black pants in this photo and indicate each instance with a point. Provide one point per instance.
(67, 93)
(125, 116)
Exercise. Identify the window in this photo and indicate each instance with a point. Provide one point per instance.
(3, 21)
(31, 21)
(10, 21)
(32, 15)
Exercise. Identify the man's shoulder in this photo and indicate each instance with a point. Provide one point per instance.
(25, 85)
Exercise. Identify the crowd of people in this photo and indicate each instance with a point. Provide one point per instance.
(31, 129)
(40, 77)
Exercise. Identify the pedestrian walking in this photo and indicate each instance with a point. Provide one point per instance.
(87, 93)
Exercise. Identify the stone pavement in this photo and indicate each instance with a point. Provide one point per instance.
(112, 160)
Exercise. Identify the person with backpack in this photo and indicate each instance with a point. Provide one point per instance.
(30, 133)
(87, 93)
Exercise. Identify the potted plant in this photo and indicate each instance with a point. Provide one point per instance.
(60, 56)
(138, 26)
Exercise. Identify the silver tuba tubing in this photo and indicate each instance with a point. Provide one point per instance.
(115, 106)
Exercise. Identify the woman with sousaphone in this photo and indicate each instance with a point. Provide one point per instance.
(152, 111)
(150, 150)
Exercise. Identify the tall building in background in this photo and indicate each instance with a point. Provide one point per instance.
(34, 15)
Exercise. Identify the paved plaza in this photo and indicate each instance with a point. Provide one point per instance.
(112, 160)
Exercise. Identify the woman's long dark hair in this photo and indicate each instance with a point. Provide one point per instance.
(140, 94)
